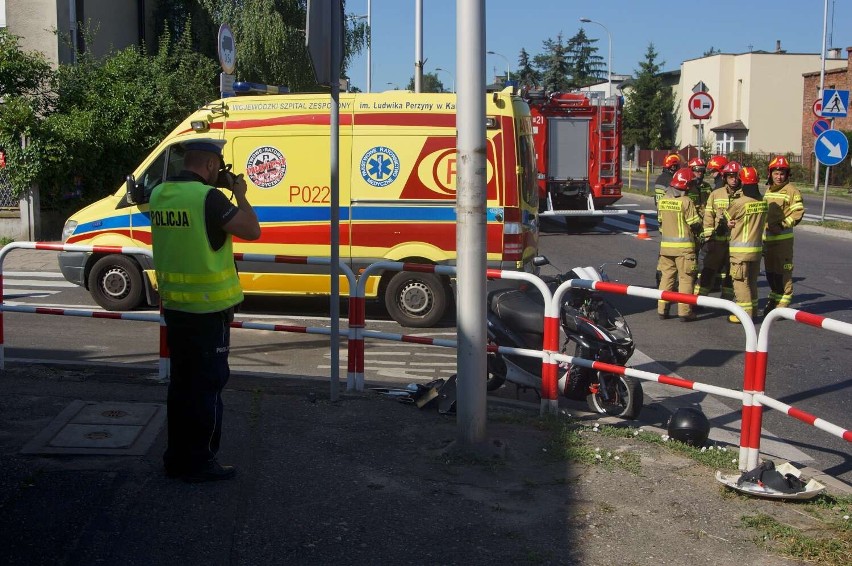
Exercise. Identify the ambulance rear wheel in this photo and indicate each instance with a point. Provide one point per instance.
(416, 300)
(115, 283)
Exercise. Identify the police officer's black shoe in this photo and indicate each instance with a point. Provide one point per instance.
(212, 471)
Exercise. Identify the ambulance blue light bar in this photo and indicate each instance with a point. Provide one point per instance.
(257, 88)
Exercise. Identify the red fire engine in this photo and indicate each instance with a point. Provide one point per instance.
(577, 139)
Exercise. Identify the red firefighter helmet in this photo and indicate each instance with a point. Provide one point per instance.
(731, 168)
(672, 160)
(749, 176)
(779, 162)
(696, 162)
(717, 163)
(682, 178)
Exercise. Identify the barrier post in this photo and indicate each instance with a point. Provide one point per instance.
(357, 323)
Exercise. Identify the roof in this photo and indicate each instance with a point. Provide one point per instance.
(730, 127)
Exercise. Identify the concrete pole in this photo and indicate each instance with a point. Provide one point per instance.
(334, 135)
(369, 47)
(470, 223)
(418, 46)
(821, 88)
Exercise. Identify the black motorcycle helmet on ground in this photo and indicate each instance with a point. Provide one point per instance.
(689, 426)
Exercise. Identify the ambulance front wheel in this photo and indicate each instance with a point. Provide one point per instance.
(416, 300)
(115, 282)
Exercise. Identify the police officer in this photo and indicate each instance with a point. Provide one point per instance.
(670, 164)
(192, 225)
(786, 210)
(716, 234)
(746, 218)
(714, 167)
(679, 227)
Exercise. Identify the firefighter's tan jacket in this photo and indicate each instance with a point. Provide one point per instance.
(748, 216)
(786, 209)
(678, 221)
(717, 203)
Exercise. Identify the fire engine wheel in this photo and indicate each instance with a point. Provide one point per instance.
(115, 283)
(416, 300)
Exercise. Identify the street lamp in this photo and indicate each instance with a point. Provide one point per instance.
(394, 85)
(508, 68)
(609, 59)
(451, 76)
(369, 45)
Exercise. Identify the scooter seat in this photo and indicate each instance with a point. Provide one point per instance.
(517, 310)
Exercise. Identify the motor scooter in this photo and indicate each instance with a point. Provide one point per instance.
(591, 328)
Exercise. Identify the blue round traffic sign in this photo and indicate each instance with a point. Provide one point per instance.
(831, 147)
(820, 126)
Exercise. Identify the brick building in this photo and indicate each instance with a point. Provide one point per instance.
(838, 79)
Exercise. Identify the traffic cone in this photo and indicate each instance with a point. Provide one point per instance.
(643, 229)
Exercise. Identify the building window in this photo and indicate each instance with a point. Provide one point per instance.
(727, 141)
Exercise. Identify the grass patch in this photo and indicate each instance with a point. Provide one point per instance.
(833, 224)
(5, 240)
(829, 543)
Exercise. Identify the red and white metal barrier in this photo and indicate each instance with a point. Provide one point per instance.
(710, 302)
(42, 310)
(760, 379)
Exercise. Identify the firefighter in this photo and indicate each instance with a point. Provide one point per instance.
(679, 229)
(701, 191)
(716, 235)
(714, 167)
(670, 164)
(786, 210)
(746, 216)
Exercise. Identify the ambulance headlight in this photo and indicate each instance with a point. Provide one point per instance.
(491, 123)
(200, 125)
(68, 229)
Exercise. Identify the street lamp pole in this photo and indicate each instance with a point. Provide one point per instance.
(508, 66)
(609, 58)
(452, 76)
(369, 48)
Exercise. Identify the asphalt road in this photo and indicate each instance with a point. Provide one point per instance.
(808, 368)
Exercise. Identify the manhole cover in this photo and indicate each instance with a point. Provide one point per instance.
(114, 414)
(99, 435)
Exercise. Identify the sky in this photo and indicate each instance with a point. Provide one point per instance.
(679, 31)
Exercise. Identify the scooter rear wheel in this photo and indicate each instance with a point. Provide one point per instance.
(623, 398)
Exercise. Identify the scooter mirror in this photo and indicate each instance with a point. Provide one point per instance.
(628, 262)
(540, 260)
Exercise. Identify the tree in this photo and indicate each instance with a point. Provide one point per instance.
(270, 36)
(712, 51)
(430, 83)
(585, 65)
(553, 65)
(98, 118)
(649, 112)
(527, 75)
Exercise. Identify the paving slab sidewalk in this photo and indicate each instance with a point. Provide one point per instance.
(365, 480)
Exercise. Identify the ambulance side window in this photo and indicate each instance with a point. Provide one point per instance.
(153, 175)
(175, 165)
(526, 158)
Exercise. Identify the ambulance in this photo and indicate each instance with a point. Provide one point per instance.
(397, 197)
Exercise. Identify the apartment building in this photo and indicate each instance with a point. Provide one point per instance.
(759, 97)
(51, 26)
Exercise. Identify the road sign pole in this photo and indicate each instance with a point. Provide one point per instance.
(825, 190)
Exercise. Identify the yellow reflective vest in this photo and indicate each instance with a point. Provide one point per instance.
(191, 276)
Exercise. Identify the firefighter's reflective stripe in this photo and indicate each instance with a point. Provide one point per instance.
(785, 209)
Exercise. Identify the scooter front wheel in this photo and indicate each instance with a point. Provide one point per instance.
(496, 372)
(623, 397)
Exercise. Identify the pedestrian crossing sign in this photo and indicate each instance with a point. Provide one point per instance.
(835, 103)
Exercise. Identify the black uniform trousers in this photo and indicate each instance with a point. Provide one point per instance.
(198, 347)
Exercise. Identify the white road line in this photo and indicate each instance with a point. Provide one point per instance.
(34, 283)
(41, 274)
